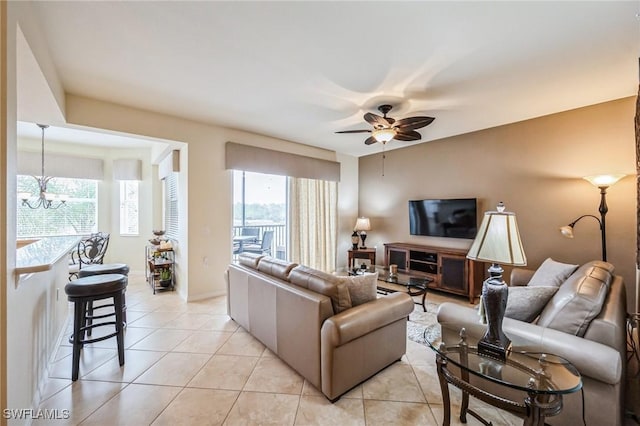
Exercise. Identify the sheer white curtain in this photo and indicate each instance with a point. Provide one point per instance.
(313, 217)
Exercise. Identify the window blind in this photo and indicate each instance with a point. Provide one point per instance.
(58, 165)
(171, 205)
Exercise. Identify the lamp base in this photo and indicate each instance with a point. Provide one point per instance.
(363, 237)
(499, 350)
(494, 297)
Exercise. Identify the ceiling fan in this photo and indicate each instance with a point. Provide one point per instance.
(386, 128)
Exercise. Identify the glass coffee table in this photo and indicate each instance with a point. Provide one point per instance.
(543, 377)
(412, 285)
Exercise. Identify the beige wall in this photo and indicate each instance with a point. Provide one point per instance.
(347, 207)
(535, 167)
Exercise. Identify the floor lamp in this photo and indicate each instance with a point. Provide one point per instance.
(603, 182)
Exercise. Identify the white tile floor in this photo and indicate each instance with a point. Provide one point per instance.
(190, 364)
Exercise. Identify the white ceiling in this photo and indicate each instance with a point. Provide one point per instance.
(303, 70)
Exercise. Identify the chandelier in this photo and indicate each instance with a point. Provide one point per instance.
(45, 199)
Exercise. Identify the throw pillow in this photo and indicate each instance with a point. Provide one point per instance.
(526, 303)
(323, 283)
(362, 288)
(551, 273)
(579, 300)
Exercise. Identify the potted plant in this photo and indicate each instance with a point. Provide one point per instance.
(165, 277)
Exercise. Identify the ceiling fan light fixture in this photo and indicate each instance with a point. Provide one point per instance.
(384, 135)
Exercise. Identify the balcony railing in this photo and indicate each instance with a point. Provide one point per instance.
(279, 244)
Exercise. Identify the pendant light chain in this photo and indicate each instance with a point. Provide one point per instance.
(383, 157)
(42, 127)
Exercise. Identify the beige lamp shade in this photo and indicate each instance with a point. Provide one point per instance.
(604, 180)
(362, 224)
(498, 240)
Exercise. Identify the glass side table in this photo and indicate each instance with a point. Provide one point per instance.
(543, 377)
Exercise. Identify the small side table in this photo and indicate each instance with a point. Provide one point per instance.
(366, 253)
(544, 378)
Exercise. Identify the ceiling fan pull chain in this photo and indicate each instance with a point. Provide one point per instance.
(383, 157)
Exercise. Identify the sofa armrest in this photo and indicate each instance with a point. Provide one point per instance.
(362, 319)
(592, 359)
(520, 276)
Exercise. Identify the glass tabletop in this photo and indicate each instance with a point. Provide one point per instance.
(400, 278)
(536, 372)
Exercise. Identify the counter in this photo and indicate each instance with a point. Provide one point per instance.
(43, 254)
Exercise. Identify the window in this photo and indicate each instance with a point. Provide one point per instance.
(259, 206)
(78, 217)
(129, 207)
(170, 196)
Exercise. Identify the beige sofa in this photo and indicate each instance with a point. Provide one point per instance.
(597, 349)
(291, 309)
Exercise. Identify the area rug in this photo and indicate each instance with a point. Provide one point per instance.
(423, 325)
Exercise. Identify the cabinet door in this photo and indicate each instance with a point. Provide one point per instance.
(453, 272)
(397, 257)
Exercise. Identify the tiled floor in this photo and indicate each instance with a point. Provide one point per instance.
(190, 364)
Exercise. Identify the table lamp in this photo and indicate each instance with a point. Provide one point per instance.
(362, 225)
(498, 241)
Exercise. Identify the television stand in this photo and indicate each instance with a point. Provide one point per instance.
(449, 268)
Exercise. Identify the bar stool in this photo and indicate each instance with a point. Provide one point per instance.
(108, 268)
(86, 290)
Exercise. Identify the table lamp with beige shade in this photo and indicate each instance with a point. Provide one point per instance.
(498, 242)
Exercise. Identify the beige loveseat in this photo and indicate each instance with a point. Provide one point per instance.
(292, 310)
(596, 347)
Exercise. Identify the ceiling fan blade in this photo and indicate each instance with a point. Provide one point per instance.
(376, 120)
(407, 135)
(411, 123)
(370, 140)
(354, 131)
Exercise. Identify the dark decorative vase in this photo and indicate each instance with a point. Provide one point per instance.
(494, 296)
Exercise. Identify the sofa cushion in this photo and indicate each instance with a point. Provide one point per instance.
(551, 273)
(362, 288)
(276, 267)
(579, 299)
(323, 283)
(526, 303)
(250, 259)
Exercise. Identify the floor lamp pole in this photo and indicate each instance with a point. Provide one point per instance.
(603, 212)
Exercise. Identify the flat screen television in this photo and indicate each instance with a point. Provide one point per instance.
(454, 218)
